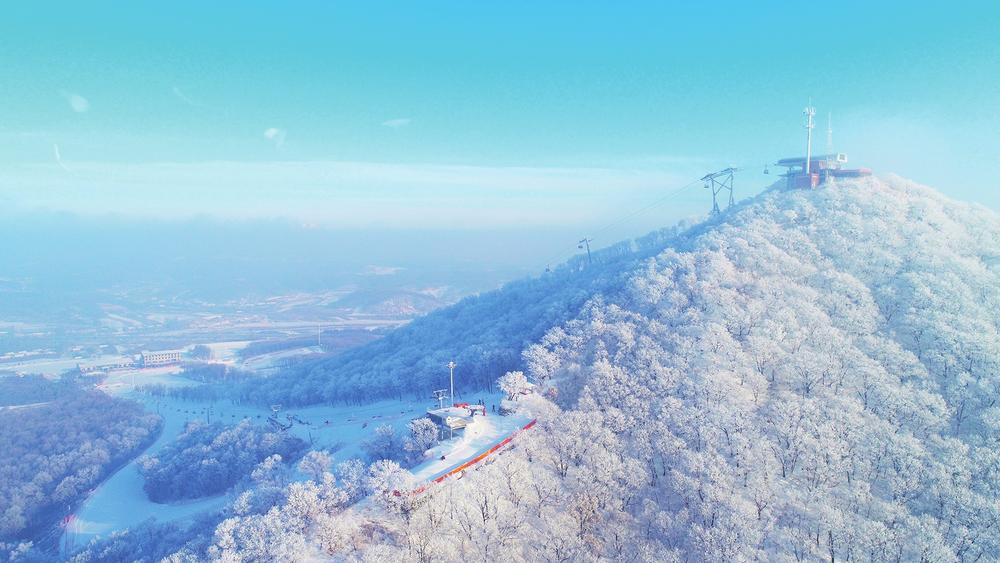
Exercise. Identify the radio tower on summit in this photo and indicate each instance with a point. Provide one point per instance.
(809, 112)
(829, 133)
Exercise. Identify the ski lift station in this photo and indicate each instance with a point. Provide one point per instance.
(811, 171)
(802, 172)
(454, 418)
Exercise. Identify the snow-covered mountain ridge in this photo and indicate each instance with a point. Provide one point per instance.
(811, 375)
(814, 375)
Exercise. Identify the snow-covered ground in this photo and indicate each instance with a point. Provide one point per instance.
(121, 382)
(481, 435)
(52, 367)
(264, 362)
(24, 406)
(120, 502)
(227, 352)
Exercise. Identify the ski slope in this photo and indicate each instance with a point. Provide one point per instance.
(120, 502)
(481, 436)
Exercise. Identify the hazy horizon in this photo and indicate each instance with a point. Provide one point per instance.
(442, 281)
(450, 119)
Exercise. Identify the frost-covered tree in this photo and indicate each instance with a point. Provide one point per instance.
(315, 464)
(209, 458)
(383, 444)
(352, 476)
(52, 453)
(423, 436)
(392, 486)
(513, 384)
(809, 376)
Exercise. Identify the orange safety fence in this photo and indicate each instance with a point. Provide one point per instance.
(462, 467)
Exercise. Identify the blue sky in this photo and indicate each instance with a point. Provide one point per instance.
(505, 114)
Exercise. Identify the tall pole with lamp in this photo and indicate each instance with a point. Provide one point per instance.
(451, 369)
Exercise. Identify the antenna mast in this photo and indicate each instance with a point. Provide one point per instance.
(810, 112)
(829, 133)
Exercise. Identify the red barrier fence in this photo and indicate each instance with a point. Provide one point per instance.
(460, 468)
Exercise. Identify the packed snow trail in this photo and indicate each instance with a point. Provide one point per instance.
(485, 437)
(460, 468)
(120, 501)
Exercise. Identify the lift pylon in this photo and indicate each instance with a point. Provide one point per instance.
(718, 181)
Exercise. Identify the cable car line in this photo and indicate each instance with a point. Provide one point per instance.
(563, 256)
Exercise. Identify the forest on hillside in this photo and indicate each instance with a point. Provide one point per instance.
(29, 389)
(484, 334)
(811, 376)
(207, 459)
(53, 452)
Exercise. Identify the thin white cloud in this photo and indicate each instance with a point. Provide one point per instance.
(345, 194)
(381, 270)
(59, 161)
(77, 103)
(276, 136)
(180, 95)
(397, 122)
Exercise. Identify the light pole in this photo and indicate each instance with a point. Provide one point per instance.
(451, 368)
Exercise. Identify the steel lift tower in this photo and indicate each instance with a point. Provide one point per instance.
(585, 242)
(718, 181)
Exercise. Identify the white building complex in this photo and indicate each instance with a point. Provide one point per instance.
(160, 358)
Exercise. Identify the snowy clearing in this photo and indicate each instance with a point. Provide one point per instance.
(480, 436)
(120, 502)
